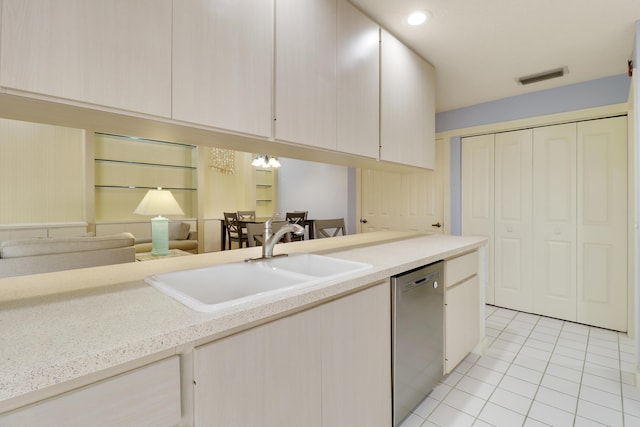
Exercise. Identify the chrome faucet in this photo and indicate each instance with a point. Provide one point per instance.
(270, 239)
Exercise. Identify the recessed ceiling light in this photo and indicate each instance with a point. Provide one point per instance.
(418, 17)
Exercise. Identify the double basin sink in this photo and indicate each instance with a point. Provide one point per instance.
(211, 288)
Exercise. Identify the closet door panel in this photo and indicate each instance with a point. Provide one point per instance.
(602, 223)
(513, 216)
(478, 197)
(554, 221)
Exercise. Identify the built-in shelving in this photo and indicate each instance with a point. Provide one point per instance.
(127, 167)
(264, 191)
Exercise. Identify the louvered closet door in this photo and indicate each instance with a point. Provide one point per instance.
(602, 223)
(554, 221)
(478, 196)
(513, 220)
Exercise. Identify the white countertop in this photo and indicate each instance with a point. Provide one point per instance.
(59, 327)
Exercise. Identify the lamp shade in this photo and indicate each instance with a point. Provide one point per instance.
(158, 202)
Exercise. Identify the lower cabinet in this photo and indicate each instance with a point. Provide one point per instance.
(356, 359)
(463, 320)
(147, 396)
(327, 366)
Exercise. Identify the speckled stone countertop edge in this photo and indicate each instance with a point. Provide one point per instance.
(388, 258)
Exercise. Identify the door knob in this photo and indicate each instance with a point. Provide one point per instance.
(437, 225)
(364, 220)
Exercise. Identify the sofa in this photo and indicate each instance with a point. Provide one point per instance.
(43, 255)
(180, 237)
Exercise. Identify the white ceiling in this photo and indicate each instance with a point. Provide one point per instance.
(480, 47)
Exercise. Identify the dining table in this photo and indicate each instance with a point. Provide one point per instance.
(307, 224)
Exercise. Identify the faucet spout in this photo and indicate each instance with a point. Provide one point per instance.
(270, 239)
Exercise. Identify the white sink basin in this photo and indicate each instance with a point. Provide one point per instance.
(313, 265)
(211, 288)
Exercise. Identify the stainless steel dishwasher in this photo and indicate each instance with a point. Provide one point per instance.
(417, 298)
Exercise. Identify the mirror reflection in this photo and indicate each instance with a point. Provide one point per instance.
(69, 195)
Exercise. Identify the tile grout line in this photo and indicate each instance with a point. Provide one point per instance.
(533, 399)
(556, 344)
(454, 384)
(620, 378)
(477, 418)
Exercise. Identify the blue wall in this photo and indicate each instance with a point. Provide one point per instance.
(579, 96)
(594, 93)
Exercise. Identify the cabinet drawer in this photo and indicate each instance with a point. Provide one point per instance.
(458, 269)
(148, 396)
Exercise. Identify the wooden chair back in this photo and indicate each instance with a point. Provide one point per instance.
(246, 215)
(255, 233)
(235, 233)
(329, 227)
(296, 217)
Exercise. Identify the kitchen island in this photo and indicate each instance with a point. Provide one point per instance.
(68, 330)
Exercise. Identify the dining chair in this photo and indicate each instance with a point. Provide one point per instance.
(246, 215)
(329, 227)
(235, 232)
(296, 217)
(255, 233)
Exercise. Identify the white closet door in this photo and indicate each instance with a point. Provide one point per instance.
(602, 223)
(513, 220)
(554, 221)
(478, 196)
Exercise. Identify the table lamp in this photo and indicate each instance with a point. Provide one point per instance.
(159, 202)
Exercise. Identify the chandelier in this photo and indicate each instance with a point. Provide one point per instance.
(222, 160)
(265, 161)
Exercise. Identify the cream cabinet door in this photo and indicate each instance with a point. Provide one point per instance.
(478, 197)
(554, 221)
(223, 64)
(513, 246)
(327, 366)
(266, 376)
(102, 52)
(602, 223)
(407, 105)
(305, 92)
(356, 359)
(462, 316)
(147, 396)
(358, 85)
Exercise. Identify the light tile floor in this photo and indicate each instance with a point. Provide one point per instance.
(538, 371)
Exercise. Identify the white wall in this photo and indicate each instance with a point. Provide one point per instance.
(319, 188)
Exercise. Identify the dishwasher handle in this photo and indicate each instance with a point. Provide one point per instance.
(418, 283)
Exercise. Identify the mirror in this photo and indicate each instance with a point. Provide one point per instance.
(62, 182)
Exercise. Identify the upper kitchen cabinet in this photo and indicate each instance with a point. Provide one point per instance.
(305, 92)
(358, 91)
(223, 64)
(407, 106)
(102, 52)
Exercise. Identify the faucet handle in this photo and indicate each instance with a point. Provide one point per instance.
(268, 222)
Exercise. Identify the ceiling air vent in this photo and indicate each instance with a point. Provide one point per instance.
(539, 77)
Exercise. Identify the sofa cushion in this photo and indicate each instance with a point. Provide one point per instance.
(45, 246)
(179, 230)
(185, 245)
